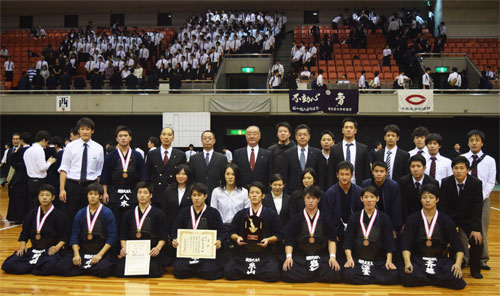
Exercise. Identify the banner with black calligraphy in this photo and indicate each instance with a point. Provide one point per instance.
(340, 101)
(305, 101)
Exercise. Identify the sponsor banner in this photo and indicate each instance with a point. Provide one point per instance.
(415, 100)
(325, 100)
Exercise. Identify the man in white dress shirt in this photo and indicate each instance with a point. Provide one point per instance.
(81, 165)
(438, 166)
(454, 79)
(426, 79)
(418, 135)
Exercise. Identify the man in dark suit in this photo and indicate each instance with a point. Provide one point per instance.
(283, 132)
(300, 157)
(255, 163)
(456, 151)
(410, 185)
(462, 200)
(208, 166)
(352, 151)
(161, 164)
(396, 159)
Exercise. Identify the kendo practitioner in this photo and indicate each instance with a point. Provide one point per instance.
(144, 222)
(199, 216)
(253, 230)
(340, 202)
(93, 235)
(46, 228)
(18, 186)
(428, 237)
(307, 233)
(369, 244)
(123, 168)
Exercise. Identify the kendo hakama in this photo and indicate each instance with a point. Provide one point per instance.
(369, 261)
(19, 199)
(431, 265)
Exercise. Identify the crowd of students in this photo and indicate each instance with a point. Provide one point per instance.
(341, 213)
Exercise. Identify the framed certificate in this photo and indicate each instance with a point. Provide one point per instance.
(198, 244)
(137, 259)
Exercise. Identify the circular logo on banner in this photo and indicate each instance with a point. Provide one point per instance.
(328, 92)
(415, 99)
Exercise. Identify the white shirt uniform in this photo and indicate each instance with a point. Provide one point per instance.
(486, 171)
(443, 167)
(229, 204)
(34, 160)
(456, 76)
(426, 80)
(71, 162)
(415, 150)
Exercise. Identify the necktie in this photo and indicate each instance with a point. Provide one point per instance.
(165, 159)
(252, 160)
(420, 152)
(473, 172)
(83, 172)
(388, 162)
(302, 159)
(433, 167)
(348, 152)
(207, 159)
(417, 186)
(460, 189)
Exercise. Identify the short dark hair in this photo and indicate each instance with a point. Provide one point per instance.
(350, 119)
(237, 176)
(257, 184)
(434, 137)
(284, 124)
(85, 121)
(419, 131)
(188, 172)
(310, 171)
(42, 135)
(155, 141)
(313, 191)
(26, 137)
(476, 132)
(200, 187)
(371, 189)
(344, 165)
(56, 140)
(302, 126)
(418, 157)
(454, 69)
(276, 177)
(391, 128)
(381, 164)
(123, 128)
(427, 69)
(46, 187)
(146, 185)
(460, 159)
(376, 143)
(430, 188)
(327, 132)
(95, 187)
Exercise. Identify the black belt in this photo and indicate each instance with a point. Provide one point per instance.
(80, 182)
(36, 179)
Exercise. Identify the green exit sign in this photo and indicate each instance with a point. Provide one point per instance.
(236, 132)
(247, 69)
(442, 69)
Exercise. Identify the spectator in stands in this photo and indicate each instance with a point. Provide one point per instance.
(454, 79)
(489, 74)
(426, 79)
(96, 81)
(45, 73)
(344, 80)
(401, 80)
(362, 80)
(79, 82)
(9, 69)
(484, 81)
(292, 80)
(24, 82)
(315, 32)
(318, 83)
(52, 83)
(31, 71)
(305, 75)
(143, 54)
(139, 73)
(175, 80)
(109, 70)
(125, 72)
(47, 50)
(41, 63)
(387, 54)
(306, 58)
(131, 82)
(38, 82)
(65, 80)
(4, 52)
(326, 49)
(115, 81)
(56, 69)
(267, 45)
(209, 73)
(34, 32)
(41, 32)
(438, 45)
(278, 67)
(442, 31)
(297, 59)
(275, 80)
(152, 79)
(336, 21)
(465, 79)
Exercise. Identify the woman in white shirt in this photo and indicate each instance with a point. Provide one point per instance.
(375, 83)
(125, 72)
(230, 197)
(306, 74)
(387, 53)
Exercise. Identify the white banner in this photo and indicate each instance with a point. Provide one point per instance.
(415, 100)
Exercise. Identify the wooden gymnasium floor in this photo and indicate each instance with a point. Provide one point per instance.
(168, 285)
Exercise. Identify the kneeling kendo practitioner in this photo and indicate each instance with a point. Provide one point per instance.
(427, 238)
(46, 228)
(144, 222)
(309, 245)
(254, 229)
(369, 244)
(199, 216)
(92, 237)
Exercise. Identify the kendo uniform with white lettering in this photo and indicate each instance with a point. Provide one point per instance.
(154, 230)
(431, 265)
(310, 261)
(122, 191)
(369, 261)
(209, 269)
(37, 260)
(252, 261)
(104, 232)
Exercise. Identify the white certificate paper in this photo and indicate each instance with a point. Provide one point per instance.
(198, 244)
(137, 259)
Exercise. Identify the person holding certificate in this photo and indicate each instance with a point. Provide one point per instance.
(307, 234)
(123, 168)
(198, 216)
(254, 229)
(46, 228)
(144, 222)
(93, 235)
(427, 235)
(369, 244)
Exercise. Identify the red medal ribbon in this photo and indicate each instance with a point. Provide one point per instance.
(366, 232)
(125, 162)
(194, 221)
(429, 231)
(312, 228)
(140, 222)
(91, 222)
(39, 223)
